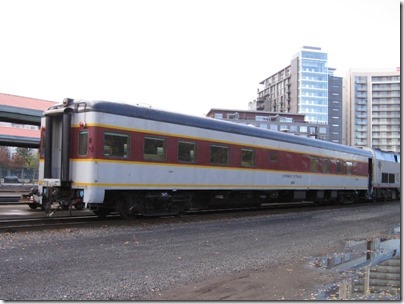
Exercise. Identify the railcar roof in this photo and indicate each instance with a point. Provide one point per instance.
(215, 124)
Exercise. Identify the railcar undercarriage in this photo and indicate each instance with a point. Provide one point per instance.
(384, 194)
(63, 198)
(130, 204)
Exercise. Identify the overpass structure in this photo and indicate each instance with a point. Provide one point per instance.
(19, 137)
(23, 111)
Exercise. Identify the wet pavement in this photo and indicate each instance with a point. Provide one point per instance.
(370, 270)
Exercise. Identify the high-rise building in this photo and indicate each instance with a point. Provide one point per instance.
(276, 95)
(306, 86)
(373, 108)
(312, 84)
(335, 113)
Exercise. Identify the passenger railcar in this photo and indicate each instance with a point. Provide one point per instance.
(385, 175)
(111, 156)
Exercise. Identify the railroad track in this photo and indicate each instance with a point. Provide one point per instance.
(27, 224)
(11, 196)
(57, 222)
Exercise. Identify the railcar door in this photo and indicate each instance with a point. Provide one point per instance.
(57, 147)
(370, 181)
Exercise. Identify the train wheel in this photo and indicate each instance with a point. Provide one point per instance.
(101, 213)
(126, 207)
(33, 206)
(79, 206)
(49, 208)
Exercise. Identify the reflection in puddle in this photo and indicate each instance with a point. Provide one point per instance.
(372, 269)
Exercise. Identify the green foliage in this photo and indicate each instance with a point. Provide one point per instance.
(24, 157)
(33, 160)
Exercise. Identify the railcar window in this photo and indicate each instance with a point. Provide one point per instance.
(154, 149)
(116, 145)
(391, 178)
(313, 164)
(326, 165)
(385, 178)
(273, 155)
(247, 158)
(339, 166)
(186, 152)
(83, 143)
(349, 168)
(219, 155)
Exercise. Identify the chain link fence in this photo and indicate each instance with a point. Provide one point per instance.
(20, 175)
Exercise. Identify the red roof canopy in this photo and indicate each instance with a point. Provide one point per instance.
(25, 102)
(10, 131)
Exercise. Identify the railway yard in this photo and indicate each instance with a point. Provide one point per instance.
(137, 203)
(272, 254)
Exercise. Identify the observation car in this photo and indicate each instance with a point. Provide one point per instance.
(110, 156)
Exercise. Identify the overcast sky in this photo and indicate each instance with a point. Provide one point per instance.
(182, 55)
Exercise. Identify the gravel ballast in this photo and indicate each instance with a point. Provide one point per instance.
(140, 261)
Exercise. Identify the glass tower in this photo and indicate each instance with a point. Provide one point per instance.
(313, 84)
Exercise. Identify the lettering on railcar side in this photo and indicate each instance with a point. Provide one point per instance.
(291, 176)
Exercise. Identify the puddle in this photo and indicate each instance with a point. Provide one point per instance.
(371, 269)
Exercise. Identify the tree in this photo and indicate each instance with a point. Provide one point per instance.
(33, 160)
(4, 157)
(26, 162)
(20, 158)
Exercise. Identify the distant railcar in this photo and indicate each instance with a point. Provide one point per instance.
(111, 156)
